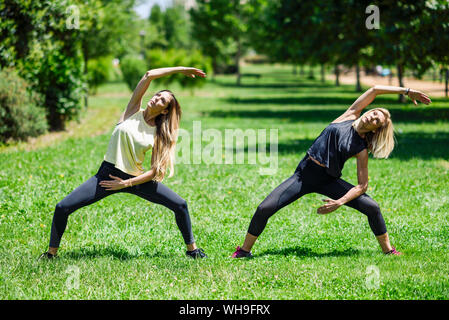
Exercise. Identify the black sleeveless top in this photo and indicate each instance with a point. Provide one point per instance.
(336, 144)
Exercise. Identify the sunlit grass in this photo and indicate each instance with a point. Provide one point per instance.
(127, 248)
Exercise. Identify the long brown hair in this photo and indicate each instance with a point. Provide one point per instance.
(167, 126)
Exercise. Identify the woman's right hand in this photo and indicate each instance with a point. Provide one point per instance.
(418, 95)
(192, 72)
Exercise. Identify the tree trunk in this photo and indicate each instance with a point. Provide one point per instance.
(55, 120)
(311, 75)
(322, 73)
(400, 69)
(237, 61)
(358, 86)
(337, 75)
(86, 92)
(214, 69)
(447, 82)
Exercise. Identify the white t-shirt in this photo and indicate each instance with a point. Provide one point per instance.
(130, 140)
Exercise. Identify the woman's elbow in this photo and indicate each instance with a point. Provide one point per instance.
(148, 75)
(375, 89)
(363, 187)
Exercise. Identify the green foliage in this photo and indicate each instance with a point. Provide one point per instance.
(412, 35)
(220, 29)
(20, 114)
(178, 57)
(169, 29)
(47, 53)
(194, 59)
(55, 70)
(107, 27)
(100, 70)
(133, 68)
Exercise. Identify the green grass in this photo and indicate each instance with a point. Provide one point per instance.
(127, 248)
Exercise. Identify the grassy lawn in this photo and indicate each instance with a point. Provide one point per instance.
(126, 248)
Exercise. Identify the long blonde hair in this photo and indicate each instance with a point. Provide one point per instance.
(167, 126)
(381, 142)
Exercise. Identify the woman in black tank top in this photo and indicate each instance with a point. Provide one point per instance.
(319, 171)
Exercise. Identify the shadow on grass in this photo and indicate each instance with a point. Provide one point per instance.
(115, 252)
(307, 100)
(307, 252)
(421, 145)
(276, 85)
(409, 145)
(407, 115)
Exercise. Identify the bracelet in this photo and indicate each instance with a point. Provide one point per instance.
(407, 91)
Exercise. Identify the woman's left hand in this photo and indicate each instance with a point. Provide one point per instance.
(418, 95)
(115, 184)
(331, 205)
(192, 72)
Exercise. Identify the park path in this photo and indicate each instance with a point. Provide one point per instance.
(431, 88)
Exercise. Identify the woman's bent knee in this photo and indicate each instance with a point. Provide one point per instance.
(264, 211)
(182, 208)
(372, 208)
(61, 209)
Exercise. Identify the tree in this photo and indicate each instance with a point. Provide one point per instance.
(269, 17)
(434, 35)
(35, 39)
(309, 32)
(354, 37)
(104, 29)
(157, 32)
(397, 40)
(219, 27)
(169, 28)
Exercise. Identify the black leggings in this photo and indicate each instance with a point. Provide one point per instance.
(90, 192)
(310, 177)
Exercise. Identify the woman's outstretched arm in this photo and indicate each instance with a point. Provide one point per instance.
(368, 97)
(161, 72)
(136, 99)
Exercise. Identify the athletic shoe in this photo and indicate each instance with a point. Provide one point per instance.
(47, 256)
(240, 253)
(394, 252)
(197, 253)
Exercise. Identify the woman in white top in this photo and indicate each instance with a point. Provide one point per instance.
(137, 131)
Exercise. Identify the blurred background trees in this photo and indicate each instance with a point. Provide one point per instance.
(64, 49)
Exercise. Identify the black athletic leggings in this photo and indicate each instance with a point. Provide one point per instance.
(91, 191)
(310, 177)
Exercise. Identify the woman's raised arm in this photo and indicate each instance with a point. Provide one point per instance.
(190, 72)
(136, 99)
(369, 95)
